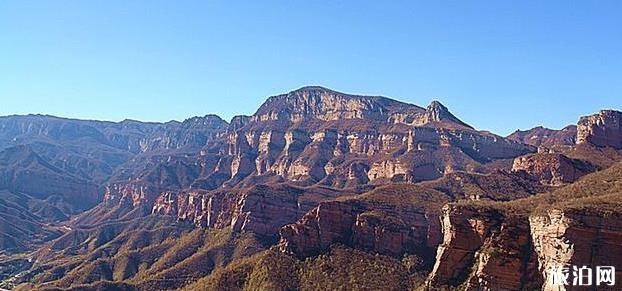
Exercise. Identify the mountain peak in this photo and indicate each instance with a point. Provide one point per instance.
(320, 103)
(313, 88)
(437, 112)
(316, 102)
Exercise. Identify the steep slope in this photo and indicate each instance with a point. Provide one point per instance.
(24, 171)
(566, 155)
(603, 129)
(514, 244)
(552, 168)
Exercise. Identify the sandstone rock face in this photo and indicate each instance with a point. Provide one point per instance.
(387, 229)
(552, 168)
(128, 194)
(545, 137)
(262, 209)
(603, 129)
(483, 250)
(507, 260)
(437, 112)
(576, 238)
(464, 232)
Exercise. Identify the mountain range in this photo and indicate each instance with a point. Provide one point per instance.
(316, 190)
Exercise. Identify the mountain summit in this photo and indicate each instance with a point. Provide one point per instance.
(437, 112)
(319, 103)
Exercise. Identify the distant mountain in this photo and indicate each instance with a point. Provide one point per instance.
(541, 136)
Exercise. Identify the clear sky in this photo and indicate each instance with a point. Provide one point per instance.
(498, 65)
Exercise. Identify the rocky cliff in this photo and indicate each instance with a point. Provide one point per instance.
(261, 209)
(484, 249)
(552, 168)
(513, 245)
(603, 129)
(391, 229)
(575, 237)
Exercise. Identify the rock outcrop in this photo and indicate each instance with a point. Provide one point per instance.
(317, 103)
(603, 129)
(438, 113)
(552, 168)
(393, 220)
(577, 237)
(261, 209)
(484, 249)
(357, 224)
(515, 245)
(345, 137)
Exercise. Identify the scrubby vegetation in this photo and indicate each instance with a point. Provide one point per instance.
(339, 269)
(152, 256)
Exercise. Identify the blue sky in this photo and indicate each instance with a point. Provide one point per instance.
(498, 65)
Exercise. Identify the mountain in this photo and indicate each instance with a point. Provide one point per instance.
(52, 168)
(316, 189)
(318, 137)
(541, 136)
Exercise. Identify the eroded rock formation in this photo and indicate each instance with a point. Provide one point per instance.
(358, 224)
(603, 129)
(577, 237)
(552, 168)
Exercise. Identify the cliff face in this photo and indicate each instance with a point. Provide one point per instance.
(514, 245)
(603, 129)
(483, 249)
(356, 224)
(318, 136)
(576, 238)
(397, 221)
(552, 168)
(262, 209)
